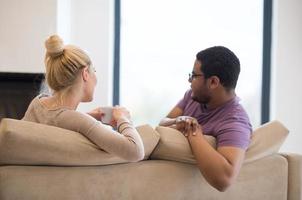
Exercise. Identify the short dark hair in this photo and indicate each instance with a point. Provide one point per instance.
(221, 62)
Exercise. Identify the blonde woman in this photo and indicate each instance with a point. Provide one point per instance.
(72, 79)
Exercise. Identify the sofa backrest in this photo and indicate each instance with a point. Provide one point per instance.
(29, 143)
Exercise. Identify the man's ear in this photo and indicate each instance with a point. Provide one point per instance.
(85, 74)
(214, 82)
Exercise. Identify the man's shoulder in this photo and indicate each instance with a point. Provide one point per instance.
(235, 108)
(235, 113)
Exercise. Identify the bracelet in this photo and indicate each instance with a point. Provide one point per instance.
(125, 122)
(125, 128)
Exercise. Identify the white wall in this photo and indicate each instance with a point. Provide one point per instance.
(24, 26)
(287, 70)
(91, 28)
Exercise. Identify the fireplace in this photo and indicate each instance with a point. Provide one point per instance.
(16, 92)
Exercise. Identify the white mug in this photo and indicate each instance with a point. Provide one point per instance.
(107, 117)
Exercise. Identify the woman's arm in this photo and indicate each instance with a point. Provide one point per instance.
(125, 143)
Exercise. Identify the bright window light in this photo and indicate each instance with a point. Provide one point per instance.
(159, 41)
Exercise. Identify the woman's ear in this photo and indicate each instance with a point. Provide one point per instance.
(85, 74)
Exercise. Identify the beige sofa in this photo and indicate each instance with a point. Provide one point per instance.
(44, 162)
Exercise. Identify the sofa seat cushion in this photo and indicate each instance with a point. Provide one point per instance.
(29, 143)
(266, 140)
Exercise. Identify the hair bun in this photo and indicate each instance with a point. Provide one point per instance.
(54, 46)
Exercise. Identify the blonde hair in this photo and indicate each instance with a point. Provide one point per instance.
(63, 63)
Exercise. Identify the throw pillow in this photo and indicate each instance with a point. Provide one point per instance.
(173, 145)
(266, 140)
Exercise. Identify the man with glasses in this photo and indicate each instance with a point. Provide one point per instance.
(211, 107)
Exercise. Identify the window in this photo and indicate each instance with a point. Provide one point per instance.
(159, 41)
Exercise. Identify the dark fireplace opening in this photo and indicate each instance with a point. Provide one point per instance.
(16, 92)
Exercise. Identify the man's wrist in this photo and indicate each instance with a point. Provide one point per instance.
(183, 118)
(168, 122)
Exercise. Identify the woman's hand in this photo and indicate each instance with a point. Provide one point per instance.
(118, 113)
(96, 113)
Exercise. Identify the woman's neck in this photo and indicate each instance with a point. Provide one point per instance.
(64, 99)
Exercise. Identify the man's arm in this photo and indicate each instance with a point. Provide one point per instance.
(219, 167)
(170, 120)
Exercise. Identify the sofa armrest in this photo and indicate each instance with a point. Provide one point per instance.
(294, 176)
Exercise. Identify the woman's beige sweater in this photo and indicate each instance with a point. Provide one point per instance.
(126, 144)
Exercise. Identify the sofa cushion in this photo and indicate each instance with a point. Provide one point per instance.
(266, 140)
(29, 143)
(150, 138)
(173, 145)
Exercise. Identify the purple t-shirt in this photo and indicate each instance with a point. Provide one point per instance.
(228, 123)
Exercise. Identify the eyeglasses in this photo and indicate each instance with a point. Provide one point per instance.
(192, 76)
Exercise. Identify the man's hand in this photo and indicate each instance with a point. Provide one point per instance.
(187, 125)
